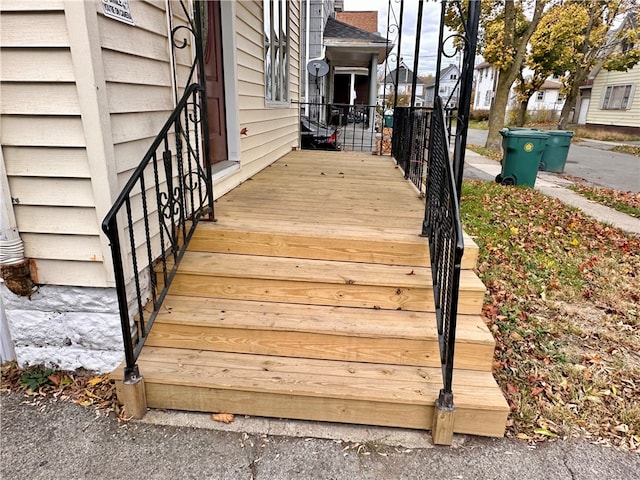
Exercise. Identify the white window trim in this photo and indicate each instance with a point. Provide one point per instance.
(286, 80)
(613, 85)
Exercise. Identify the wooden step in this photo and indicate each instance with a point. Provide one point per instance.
(334, 391)
(311, 331)
(317, 282)
(351, 245)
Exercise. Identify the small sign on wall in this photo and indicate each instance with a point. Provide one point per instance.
(118, 10)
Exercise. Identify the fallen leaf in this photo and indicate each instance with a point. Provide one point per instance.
(523, 436)
(545, 432)
(95, 381)
(222, 417)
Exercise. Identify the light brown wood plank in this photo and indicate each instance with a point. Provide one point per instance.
(314, 293)
(207, 239)
(377, 336)
(313, 319)
(328, 391)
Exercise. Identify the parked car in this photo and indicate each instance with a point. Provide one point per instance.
(316, 136)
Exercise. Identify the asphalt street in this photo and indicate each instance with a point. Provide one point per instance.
(592, 161)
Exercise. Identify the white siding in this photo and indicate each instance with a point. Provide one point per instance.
(623, 118)
(44, 145)
(271, 131)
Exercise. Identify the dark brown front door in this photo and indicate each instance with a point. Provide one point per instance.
(215, 84)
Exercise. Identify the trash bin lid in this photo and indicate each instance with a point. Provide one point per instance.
(524, 133)
(561, 133)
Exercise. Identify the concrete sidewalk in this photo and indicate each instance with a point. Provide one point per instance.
(62, 440)
(479, 167)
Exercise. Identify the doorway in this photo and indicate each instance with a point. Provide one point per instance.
(214, 76)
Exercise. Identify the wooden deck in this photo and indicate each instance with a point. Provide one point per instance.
(311, 298)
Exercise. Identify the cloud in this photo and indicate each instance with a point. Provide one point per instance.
(427, 56)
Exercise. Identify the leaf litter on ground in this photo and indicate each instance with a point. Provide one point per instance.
(563, 304)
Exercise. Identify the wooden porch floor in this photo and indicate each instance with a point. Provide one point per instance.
(310, 298)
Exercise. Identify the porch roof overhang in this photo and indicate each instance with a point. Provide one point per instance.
(354, 53)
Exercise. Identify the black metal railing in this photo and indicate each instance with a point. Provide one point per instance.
(410, 141)
(355, 126)
(160, 206)
(443, 228)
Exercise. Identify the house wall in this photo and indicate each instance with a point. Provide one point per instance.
(83, 96)
(485, 82)
(272, 130)
(618, 118)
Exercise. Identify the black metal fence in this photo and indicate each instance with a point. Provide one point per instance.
(443, 228)
(410, 142)
(356, 127)
(160, 206)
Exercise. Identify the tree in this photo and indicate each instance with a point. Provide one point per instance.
(506, 31)
(550, 53)
(525, 88)
(586, 27)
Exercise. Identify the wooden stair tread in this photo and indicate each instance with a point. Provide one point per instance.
(357, 322)
(309, 270)
(397, 337)
(315, 378)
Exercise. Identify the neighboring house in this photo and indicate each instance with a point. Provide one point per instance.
(449, 89)
(405, 78)
(352, 53)
(611, 99)
(314, 15)
(548, 99)
(353, 56)
(615, 100)
(83, 96)
(364, 20)
(485, 82)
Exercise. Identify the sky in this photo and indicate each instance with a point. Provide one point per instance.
(430, 25)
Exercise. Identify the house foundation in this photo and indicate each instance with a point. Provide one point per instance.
(65, 327)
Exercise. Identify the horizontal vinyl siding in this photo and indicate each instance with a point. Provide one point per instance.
(272, 131)
(627, 118)
(44, 146)
(140, 87)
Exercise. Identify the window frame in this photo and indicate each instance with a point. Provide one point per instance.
(276, 14)
(627, 96)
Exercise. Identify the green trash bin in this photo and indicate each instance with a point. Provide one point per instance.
(523, 151)
(556, 150)
(388, 121)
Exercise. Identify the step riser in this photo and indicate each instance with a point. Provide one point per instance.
(394, 351)
(471, 421)
(348, 250)
(315, 293)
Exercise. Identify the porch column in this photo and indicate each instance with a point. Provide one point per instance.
(373, 89)
(352, 89)
(373, 80)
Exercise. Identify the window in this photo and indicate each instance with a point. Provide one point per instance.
(560, 97)
(617, 97)
(453, 76)
(540, 96)
(487, 98)
(276, 50)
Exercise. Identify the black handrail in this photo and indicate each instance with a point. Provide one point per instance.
(443, 228)
(180, 195)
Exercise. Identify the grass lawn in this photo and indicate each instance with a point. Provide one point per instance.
(625, 202)
(564, 306)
